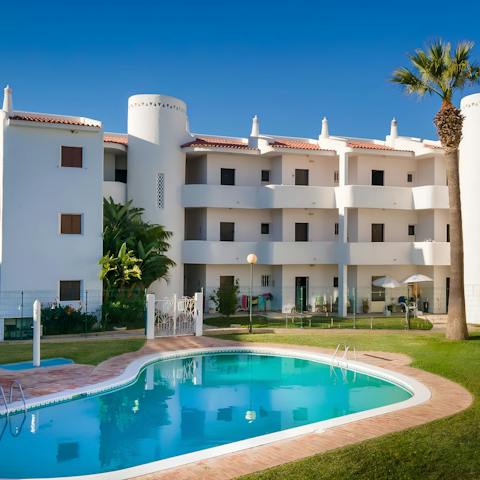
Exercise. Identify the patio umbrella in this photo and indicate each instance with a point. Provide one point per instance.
(386, 282)
(417, 278)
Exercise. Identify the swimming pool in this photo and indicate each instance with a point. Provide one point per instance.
(177, 408)
(48, 362)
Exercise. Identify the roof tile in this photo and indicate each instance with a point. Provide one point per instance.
(294, 144)
(218, 142)
(116, 138)
(42, 118)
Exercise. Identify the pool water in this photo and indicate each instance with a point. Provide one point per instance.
(184, 405)
(49, 362)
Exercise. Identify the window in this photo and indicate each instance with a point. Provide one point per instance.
(411, 230)
(161, 190)
(265, 280)
(72, 157)
(336, 228)
(301, 176)
(227, 176)
(120, 175)
(378, 293)
(377, 232)
(70, 290)
(265, 175)
(448, 232)
(335, 282)
(227, 231)
(336, 177)
(70, 224)
(227, 281)
(409, 177)
(301, 232)
(377, 177)
(265, 228)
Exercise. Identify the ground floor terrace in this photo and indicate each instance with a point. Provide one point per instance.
(379, 446)
(321, 289)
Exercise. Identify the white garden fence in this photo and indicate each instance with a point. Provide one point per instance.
(174, 316)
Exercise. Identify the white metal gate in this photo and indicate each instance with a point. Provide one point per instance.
(175, 316)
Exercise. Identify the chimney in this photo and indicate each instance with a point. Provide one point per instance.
(255, 127)
(324, 133)
(393, 129)
(7, 100)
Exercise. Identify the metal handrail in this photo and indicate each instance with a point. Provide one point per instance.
(4, 398)
(16, 382)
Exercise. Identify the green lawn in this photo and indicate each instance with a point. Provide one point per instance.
(82, 351)
(317, 321)
(444, 449)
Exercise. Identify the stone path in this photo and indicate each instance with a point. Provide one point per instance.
(447, 398)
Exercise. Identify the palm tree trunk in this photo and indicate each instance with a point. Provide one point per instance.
(457, 324)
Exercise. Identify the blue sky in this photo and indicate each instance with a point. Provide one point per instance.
(290, 63)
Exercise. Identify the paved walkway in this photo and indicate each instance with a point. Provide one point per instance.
(447, 398)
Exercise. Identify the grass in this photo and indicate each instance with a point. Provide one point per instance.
(83, 351)
(317, 321)
(444, 449)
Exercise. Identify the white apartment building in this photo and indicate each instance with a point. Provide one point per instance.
(325, 216)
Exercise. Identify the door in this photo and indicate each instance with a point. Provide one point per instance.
(447, 292)
(377, 177)
(377, 232)
(301, 293)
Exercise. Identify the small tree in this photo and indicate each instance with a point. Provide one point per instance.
(225, 299)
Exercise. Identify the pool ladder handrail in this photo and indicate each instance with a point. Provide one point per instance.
(346, 350)
(4, 399)
(19, 385)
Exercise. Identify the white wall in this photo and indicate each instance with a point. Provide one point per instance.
(36, 190)
(247, 224)
(396, 224)
(321, 224)
(247, 167)
(321, 169)
(396, 168)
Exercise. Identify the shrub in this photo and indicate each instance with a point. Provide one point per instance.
(225, 299)
(59, 319)
(124, 310)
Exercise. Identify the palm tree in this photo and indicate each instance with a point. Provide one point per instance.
(147, 243)
(440, 70)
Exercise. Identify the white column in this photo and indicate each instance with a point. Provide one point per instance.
(198, 314)
(469, 170)
(37, 327)
(150, 316)
(2, 329)
(342, 290)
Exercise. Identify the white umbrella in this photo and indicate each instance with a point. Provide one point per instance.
(387, 282)
(417, 278)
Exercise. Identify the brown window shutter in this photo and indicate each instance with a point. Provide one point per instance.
(70, 223)
(70, 290)
(72, 157)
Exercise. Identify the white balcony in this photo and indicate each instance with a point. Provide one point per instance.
(295, 196)
(430, 196)
(301, 253)
(401, 198)
(395, 253)
(270, 253)
(116, 190)
(268, 196)
(373, 196)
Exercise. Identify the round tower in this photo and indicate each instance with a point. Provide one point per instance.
(469, 169)
(157, 127)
